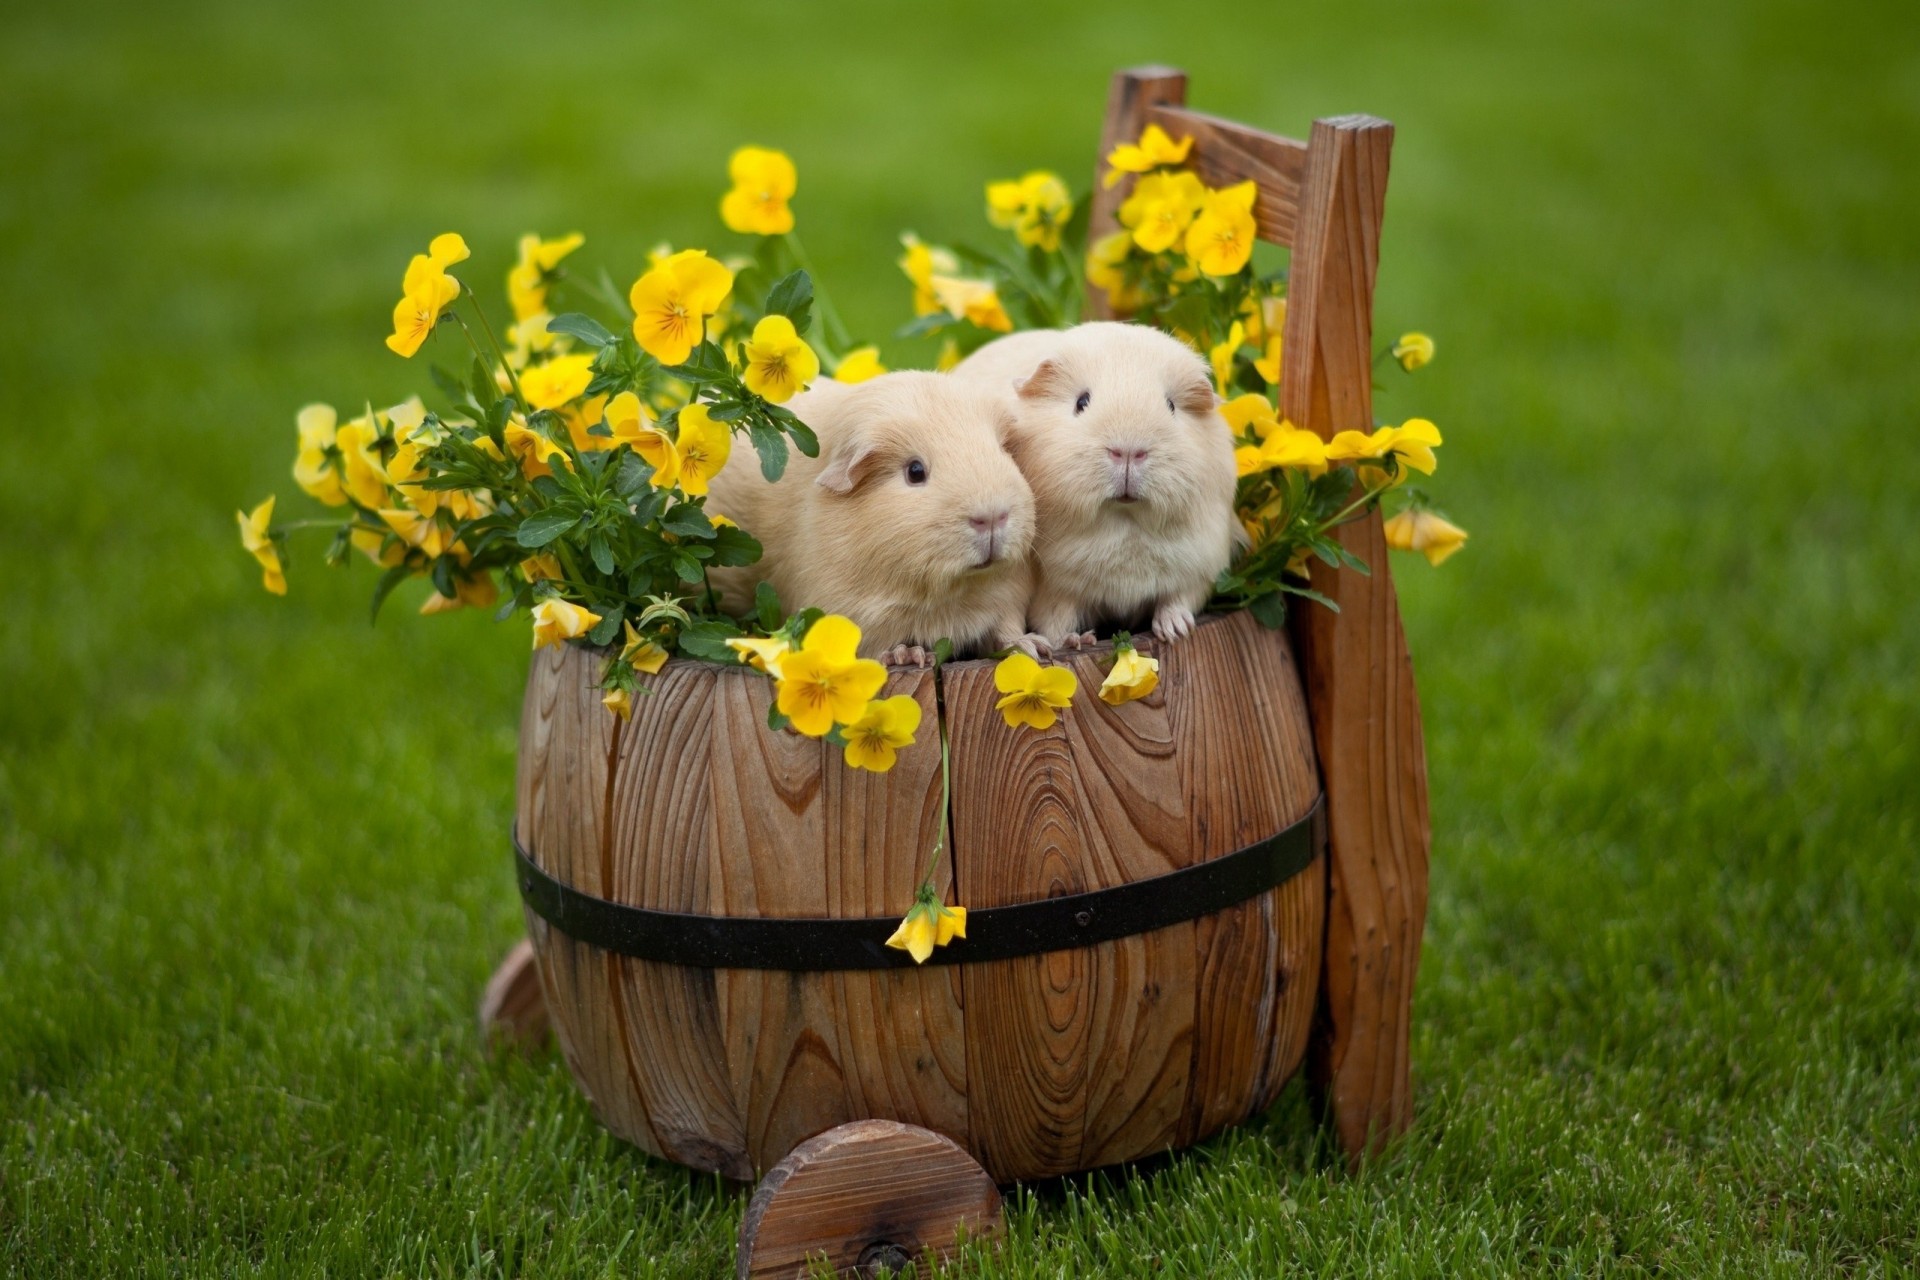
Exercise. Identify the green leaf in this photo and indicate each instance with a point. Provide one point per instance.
(634, 477)
(926, 324)
(792, 297)
(803, 438)
(942, 651)
(538, 530)
(602, 553)
(583, 327)
(482, 389)
(708, 639)
(1269, 610)
(734, 546)
(1294, 589)
(776, 720)
(766, 606)
(771, 445)
(384, 588)
(688, 521)
(687, 567)
(609, 625)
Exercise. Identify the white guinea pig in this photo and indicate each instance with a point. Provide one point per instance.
(913, 521)
(1119, 433)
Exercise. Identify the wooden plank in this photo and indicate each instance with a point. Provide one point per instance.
(1130, 96)
(513, 1009)
(901, 1032)
(660, 814)
(567, 741)
(1358, 677)
(1017, 822)
(1134, 827)
(1225, 153)
(868, 1198)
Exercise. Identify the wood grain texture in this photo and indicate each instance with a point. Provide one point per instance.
(1358, 676)
(1225, 153)
(567, 743)
(1130, 96)
(864, 1196)
(513, 1009)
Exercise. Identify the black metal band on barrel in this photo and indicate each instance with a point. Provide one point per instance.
(860, 942)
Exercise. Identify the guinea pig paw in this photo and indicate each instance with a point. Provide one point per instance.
(906, 655)
(1171, 622)
(1033, 644)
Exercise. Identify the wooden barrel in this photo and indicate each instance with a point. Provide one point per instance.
(1040, 1064)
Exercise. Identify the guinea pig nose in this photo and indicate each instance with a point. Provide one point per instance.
(1123, 454)
(990, 521)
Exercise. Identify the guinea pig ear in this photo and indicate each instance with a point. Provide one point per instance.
(1194, 393)
(1050, 379)
(848, 465)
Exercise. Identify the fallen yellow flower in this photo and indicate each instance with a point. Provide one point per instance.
(763, 181)
(874, 740)
(1032, 694)
(1134, 675)
(556, 620)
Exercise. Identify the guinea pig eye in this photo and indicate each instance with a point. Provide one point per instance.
(1170, 408)
(916, 472)
(1080, 405)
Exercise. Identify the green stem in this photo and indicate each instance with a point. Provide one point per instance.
(481, 314)
(946, 791)
(829, 317)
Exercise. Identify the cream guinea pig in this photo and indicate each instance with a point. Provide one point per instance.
(1119, 433)
(913, 521)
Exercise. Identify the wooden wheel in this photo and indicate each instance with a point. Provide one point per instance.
(871, 1197)
(513, 1011)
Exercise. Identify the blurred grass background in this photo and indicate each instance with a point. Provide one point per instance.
(251, 863)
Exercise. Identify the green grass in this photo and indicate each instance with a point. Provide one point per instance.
(251, 871)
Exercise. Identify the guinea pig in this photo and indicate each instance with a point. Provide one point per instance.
(913, 521)
(1119, 432)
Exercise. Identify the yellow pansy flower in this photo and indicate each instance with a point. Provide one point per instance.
(1433, 536)
(541, 567)
(425, 291)
(534, 451)
(313, 468)
(778, 361)
(422, 533)
(701, 449)
(1268, 366)
(556, 620)
(762, 654)
(672, 301)
(447, 248)
(258, 542)
(365, 479)
(1413, 442)
(975, 300)
(376, 546)
(1105, 260)
(1265, 318)
(618, 701)
(1035, 207)
(1161, 208)
(1220, 240)
(1032, 694)
(1155, 150)
(1291, 447)
(550, 385)
(858, 365)
(528, 338)
(529, 276)
(928, 924)
(469, 593)
(1413, 350)
(763, 181)
(874, 740)
(641, 653)
(922, 262)
(581, 417)
(631, 425)
(1221, 356)
(1134, 675)
(1250, 413)
(824, 682)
